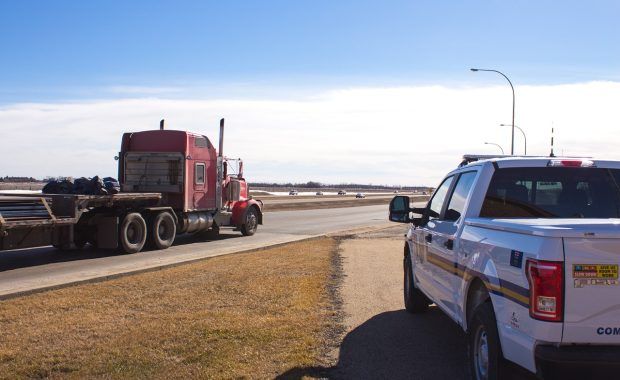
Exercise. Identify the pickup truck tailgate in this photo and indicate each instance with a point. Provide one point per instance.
(592, 290)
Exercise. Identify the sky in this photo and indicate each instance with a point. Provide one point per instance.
(332, 91)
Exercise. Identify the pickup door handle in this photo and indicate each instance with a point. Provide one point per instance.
(449, 244)
(428, 238)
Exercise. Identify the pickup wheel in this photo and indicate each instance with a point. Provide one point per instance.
(486, 361)
(250, 223)
(162, 231)
(415, 300)
(132, 233)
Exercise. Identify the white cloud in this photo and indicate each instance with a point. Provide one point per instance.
(402, 135)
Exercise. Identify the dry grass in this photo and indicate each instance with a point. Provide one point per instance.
(253, 315)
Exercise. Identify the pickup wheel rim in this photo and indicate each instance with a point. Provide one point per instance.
(481, 354)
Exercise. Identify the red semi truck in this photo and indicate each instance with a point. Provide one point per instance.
(172, 182)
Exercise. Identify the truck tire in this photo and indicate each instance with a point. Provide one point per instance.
(132, 233)
(415, 300)
(250, 223)
(162, 231)
(485, 358)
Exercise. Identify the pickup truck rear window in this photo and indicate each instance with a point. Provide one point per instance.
(553, 192)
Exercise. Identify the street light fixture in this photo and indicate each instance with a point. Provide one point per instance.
(524, 138)
(497, 145)
(512, 146)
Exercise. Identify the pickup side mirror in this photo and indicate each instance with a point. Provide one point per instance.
(400, 211)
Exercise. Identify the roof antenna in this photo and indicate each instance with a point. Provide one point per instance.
(161, 125)
(552, 155)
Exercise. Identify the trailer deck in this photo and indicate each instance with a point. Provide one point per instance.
(30, 210)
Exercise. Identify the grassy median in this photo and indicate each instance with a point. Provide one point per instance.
(252, 315)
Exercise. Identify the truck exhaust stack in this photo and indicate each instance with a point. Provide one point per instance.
(220, 152)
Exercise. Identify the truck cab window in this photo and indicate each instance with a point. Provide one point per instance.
(459, 196)
(200, 173)
(439, 197)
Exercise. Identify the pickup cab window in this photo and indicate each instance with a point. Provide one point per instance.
(459, 196)
(439, 197)
(553, 193)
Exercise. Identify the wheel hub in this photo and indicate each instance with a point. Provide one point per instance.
(482, 354)
(251, 222)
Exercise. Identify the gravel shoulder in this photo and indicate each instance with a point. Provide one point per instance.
(382, 340)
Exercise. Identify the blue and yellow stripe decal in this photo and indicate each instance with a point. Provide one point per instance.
(495, 285)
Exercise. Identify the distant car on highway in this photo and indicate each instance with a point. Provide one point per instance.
(319, 193)
(360, 195)
(293, 192)
(342, 192)
(396, 191)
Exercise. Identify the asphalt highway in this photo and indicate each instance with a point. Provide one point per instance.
(28, 270)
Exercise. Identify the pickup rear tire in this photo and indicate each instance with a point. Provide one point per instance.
(415, 300)
(250, 223)
(162, 231)
(485, 358)
(132, 233)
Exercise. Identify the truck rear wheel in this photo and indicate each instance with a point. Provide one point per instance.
(415, 300)
(132, 233)
(486, 361)
(163, 230)
(250, 224)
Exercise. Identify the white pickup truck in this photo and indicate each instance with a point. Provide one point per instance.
(523, 253)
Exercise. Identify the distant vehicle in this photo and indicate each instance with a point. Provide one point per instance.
(360, 195)
(293, 192)
(342, 192)
(396, 191)
(319, 193)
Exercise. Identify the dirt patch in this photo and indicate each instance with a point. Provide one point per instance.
(318, 203)
(254, 315)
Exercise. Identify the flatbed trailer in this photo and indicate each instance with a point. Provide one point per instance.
(33, 220)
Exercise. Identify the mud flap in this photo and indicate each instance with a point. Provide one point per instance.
(107, 232)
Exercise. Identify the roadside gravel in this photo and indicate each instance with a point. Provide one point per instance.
(382, 340)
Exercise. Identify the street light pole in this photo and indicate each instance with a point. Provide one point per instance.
(497, 145)
(519, 128)
(512, 144)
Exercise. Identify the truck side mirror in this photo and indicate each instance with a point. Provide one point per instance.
(400, 211)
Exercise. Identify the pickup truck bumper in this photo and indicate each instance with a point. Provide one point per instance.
(577, 361)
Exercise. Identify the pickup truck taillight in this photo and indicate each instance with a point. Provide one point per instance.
(546, 279)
